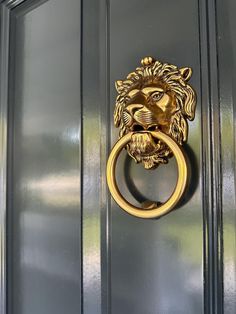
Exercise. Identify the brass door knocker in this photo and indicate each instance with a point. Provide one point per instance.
(152, 108)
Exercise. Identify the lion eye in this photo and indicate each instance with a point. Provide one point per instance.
(157, 96)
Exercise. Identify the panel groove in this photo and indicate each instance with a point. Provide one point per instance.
(96, 111)
(81, 156)
(105, 144)
(12, 3)
(3, 150)
(10, 165)
(94, 151)
(211, 160)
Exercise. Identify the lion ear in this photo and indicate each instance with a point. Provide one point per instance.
(119, 86)
(186, 73)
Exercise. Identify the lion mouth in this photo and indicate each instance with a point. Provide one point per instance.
(143, 144)
(144, 148)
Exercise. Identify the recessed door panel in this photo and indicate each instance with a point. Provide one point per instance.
(44, 162)
(156, 265)
(227, 92)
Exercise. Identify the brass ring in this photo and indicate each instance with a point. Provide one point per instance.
(179, 188)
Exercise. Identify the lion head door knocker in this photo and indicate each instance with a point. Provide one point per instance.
(152, 108)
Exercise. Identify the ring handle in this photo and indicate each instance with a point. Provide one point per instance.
(164, 208)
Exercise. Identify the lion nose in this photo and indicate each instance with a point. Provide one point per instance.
(137, 114)
(129, 113)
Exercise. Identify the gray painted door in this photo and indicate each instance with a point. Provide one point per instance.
(66, 247)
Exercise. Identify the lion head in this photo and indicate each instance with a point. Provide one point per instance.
(155, 96)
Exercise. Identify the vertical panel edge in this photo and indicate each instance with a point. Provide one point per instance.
(211, 160)
(3, 148)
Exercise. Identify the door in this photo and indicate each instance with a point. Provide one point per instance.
(66, 246)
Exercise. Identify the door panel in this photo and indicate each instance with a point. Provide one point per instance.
(226, 46)
(158, 262)
(66, 247)
(44, 164)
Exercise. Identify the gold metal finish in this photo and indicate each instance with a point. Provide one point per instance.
(152, 108)
(153, 210)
